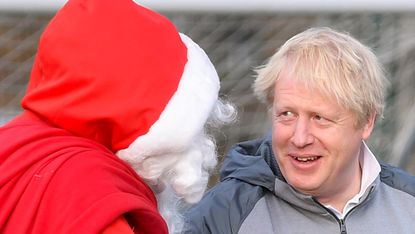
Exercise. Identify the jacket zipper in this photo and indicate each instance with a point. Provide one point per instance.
(341, 222)
(342, 227)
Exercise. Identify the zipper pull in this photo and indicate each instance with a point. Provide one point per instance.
(342, 227)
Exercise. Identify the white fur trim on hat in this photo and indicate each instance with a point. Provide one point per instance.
(185, 114)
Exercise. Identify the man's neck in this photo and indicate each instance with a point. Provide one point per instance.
(347, 188)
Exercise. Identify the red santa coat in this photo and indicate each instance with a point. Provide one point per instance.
(109, 77)
(54, 182)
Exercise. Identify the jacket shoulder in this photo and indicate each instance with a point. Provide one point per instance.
(223, 208)
(397, 178)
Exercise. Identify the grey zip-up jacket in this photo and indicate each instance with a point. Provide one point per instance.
(253, 197)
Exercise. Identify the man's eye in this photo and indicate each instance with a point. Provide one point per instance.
(286, 115)
(321, 120)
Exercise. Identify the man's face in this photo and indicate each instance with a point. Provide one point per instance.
(316, 141)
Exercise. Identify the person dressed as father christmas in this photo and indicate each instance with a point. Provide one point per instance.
(117, 112)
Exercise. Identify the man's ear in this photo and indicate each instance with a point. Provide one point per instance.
(369, 125)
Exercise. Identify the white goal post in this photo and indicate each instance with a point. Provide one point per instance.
(235, 5)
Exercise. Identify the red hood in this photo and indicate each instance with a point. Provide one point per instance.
(105, 70)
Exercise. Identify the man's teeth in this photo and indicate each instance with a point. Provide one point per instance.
(306, 159)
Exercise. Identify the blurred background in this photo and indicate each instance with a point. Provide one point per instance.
(240, 35)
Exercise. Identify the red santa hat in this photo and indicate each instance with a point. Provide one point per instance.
(120, 74)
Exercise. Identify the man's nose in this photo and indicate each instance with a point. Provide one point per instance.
(302, 135)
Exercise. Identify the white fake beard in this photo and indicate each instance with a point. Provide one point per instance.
(185, 180)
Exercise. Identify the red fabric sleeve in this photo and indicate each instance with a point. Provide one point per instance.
(52, 182)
